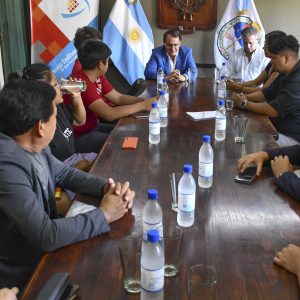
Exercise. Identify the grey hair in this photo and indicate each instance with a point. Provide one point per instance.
(249, 31)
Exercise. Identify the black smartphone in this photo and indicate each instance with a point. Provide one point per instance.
(247, 176)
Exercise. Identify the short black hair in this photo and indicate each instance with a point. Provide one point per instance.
(284, 43)
(23, 102)
(273, 35)
(172, 33)
(91, 52)
(37, 71)
(86, 33)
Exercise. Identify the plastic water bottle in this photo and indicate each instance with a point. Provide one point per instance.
(154, 125)
(206, 158)
(220, 127)
(222, 88)
(162, 105)
(152, 214)
(159, 79)
(190, 76)
(166, 89)
(186, 198)
(152, 263)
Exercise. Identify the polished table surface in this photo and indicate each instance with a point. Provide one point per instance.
(238, 228)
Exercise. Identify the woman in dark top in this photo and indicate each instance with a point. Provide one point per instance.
(62, 146)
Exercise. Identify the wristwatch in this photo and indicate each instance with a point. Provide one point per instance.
(243, 104)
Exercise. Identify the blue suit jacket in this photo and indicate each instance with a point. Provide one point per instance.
(159, 58)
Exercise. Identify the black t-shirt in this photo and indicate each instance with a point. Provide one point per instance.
(62, 144)
(284, 96)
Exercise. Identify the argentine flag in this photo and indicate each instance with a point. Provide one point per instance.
(129, 36)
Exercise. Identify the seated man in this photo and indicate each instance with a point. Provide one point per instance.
(174, 59)
(248, 62)
(265, 78)
(281, 160)
(82, 34)
(29, 224)
(283, 96)
(100, 95)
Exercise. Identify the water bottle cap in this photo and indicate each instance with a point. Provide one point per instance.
(206, 138)
(164, 80)
(152, 194)
(162, 92)
(152, 236)
(154, 104)
(222, 77)
(187, 168)
(221, 102)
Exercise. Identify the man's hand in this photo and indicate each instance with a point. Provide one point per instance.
(238, 98)
(256, 158)
(112, 205)
(121, 190)
(148, 103)
(232, 85)
(281, 165)
(9, 294)
(175, 76)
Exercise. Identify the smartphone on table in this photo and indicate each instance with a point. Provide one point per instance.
(247, 176)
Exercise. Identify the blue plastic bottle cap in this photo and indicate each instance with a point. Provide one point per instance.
(152, 236)
(222, 77)
(187, 168)
(206, 138)
(162, 92)
(154, 104)
(164, 80)
(152, 194)
(221, 102)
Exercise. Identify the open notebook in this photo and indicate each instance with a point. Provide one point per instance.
(202, 115)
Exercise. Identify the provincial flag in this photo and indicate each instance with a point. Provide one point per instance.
(129, 35)
(53, 27)
(238, 15)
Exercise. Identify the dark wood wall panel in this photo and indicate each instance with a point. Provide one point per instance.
(205, 18)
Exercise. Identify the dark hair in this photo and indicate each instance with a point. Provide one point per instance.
(91, 52)
(273, 35)
(284, 43)
(86, 33)
(23, 102)
(172, 33)
(36, 71)
(249, 31)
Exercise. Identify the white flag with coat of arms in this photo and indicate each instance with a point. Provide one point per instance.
(238, 15)
(129, 35)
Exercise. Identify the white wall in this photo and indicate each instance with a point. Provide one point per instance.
(274, 14)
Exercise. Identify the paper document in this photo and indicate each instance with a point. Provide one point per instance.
(202, 115)
(78, 208)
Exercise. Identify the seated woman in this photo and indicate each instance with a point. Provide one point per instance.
(62, 145)
(265, 78)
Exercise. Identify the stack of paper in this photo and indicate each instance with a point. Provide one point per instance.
(202, 115)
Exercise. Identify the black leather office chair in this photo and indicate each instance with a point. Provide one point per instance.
(120, 83)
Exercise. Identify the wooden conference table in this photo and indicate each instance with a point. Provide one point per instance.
(238, 228)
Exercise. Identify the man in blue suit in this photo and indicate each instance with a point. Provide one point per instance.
(174, 59)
